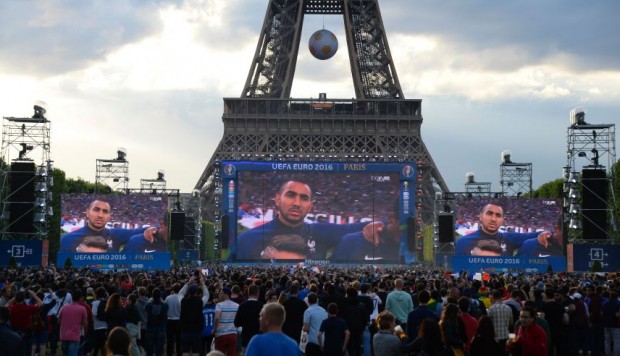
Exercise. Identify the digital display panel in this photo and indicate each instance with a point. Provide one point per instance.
(134, 223)
(340, 212)
(509, 233)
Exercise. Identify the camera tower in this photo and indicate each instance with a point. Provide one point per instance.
(378, 125)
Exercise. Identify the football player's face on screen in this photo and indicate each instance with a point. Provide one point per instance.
(294, 202)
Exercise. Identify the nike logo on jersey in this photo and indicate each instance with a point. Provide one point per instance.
(149, 251)
(541, 255)
(368, 258)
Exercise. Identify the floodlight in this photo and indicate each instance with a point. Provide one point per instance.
(506, 156)
(121, 154)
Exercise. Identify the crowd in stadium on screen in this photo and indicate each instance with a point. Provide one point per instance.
(579, 312)
(128, 210)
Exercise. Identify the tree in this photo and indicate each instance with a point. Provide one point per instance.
(553, 189)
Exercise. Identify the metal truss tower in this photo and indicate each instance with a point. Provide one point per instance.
(379, 125)
(515, 178)
(589, 147)
(113, 173)
(26, 143)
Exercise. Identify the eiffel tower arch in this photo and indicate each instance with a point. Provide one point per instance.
(378, 125)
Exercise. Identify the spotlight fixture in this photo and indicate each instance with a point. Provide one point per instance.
(506, 156)
(25, 149)
(469, 177)
(161, 174)
(121, 154)
(574, 224)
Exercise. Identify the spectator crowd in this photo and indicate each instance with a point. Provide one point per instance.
(313, 310)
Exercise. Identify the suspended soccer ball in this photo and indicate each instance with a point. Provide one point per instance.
(323, 44)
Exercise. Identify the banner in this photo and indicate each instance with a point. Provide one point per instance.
(500, 264)
(120, 260)
(584, 257)
(25, 252)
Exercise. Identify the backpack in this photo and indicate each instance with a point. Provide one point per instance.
(155, 315)
(101, 315)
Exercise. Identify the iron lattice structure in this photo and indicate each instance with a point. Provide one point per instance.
(515, 178)
(590, 147)
(26, 140)
(379, 125)
(113, 173)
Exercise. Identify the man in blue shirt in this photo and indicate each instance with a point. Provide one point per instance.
(491, 219)
(294, 202)
(313, 318)
(98, 215)
(531, 247)
(272, 342)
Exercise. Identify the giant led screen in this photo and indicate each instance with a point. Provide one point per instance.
(509, 232)
(340, 212)
(113, 223)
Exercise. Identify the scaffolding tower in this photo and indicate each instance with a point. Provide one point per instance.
(113, 173)
(589, 147)
(26, 177)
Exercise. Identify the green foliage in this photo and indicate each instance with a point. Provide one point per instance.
(553, 189)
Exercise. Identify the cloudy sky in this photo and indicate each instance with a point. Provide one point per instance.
(150, 75)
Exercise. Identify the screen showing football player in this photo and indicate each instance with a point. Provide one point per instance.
(354, 247)
(159, 243)
(98, 215)
(293, 202)
(491, 220)
(554, 246)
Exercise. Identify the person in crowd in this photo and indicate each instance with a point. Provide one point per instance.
(293, 202)
(11, 341)
(192, 322)
(429, 340)
(272, 341)
(491, 220)
(333, 334)
(555, 313)
(133, 323)
(73, 319)
(355, 314)
(118, 342)
(501, 316)
(115, 314)
(468, 321)
(156, 318)
(295, 309)
(313, 318)
(399, 303)
(247, 316)
(541, 322)
(385, 342)
(98, 215)
(530, 338)
(100, 326)
(452, 329)
(417, 315)
(484, 342)
(611, 315)
(21, 316)
(173, 328)
(225, 331)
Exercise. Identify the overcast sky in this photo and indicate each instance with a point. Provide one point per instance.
(150, 75)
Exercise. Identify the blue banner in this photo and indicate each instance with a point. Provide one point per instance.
(585, 255)
(120, 260)
(188, 255)
(25, 252)
(499, 264)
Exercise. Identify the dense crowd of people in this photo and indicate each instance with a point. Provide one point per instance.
(315, 310)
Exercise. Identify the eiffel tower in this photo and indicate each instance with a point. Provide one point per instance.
(379, 125)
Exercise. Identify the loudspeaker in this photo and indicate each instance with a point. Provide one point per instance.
(411, 233)
(22, 197)
(595, 194)
(189, 233)
(446, 228)
(177, 225)
(224, 238)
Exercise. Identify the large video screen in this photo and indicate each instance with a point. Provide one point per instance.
(340, 212)
(509, 227)
(126, 223)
